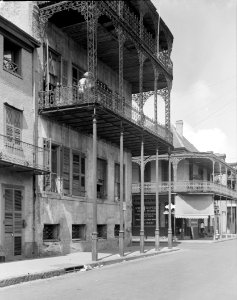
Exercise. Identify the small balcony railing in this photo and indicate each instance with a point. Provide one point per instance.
(9, 65)
(195, 186)
(70, 96)
(18, 153)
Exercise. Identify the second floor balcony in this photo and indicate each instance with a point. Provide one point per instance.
(66, 104)
(22, 157)
(189, 186)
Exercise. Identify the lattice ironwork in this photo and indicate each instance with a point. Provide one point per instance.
(92, 19)
(64, 96)
(111, 9)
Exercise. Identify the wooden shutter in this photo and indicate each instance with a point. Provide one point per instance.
(13, 125)
(66, 170)
(8, 211)
(64, 72)
(75, 174)
(47, 163)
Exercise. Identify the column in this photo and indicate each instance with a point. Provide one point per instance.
(213, 170)
(142, 199)
(231, 217)
(226, 173)
(94, 176)
(220, 217)
(92, 40)
(214, 220)
(220, 174)
(121, 230)
(155, 98)
(157, 231)
(169, 196)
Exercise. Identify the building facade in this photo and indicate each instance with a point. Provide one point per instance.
(119, 53)
(203, 193)
(21, 161)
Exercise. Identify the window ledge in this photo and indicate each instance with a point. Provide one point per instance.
(50, 241)
(13, 73)
(78, 240)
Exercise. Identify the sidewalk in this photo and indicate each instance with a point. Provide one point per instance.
(32, 269)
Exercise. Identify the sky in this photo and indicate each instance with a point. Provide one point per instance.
(204, 90)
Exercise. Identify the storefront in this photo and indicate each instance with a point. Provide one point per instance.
(194, 216)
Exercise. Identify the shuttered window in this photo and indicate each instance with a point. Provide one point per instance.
(64, 72)
(66, 170)
(117, 181)
(13, 125)
(78, 174)
(54, 69)
(101, 178)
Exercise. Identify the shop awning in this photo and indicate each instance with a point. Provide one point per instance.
(193, 206)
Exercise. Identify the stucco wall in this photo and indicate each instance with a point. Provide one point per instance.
(67, 210)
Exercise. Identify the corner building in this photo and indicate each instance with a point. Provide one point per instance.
(203, 193)
(85, 201)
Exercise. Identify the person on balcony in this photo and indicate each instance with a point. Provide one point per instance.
(86, 82)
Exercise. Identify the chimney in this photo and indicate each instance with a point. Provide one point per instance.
(179, 127)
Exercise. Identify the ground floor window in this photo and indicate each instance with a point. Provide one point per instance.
(78, 231)
(102, 231)
(51, 232)
(116, 230)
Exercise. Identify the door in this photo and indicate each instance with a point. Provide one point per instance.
(13, 223)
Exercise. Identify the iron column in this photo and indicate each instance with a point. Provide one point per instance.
(94, 178)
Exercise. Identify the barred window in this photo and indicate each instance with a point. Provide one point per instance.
(51, 232)
(79, 231)
(102, 231)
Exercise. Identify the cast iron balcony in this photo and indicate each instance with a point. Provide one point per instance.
(192, 186)
(22, 156)
(68, 96)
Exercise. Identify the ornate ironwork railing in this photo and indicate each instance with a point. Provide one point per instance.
(164, 58)
(133, 22)
(9, 65)
(23, 154)
(195, 186)
(70, 96)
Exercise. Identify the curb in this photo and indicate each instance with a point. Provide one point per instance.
(76, 268)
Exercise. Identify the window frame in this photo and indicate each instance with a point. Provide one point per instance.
(56, 228)
(81, 175)
(102, 228)
(81, 231)
(102, 182)
(17, 53)
(117, 182)
(12, 140)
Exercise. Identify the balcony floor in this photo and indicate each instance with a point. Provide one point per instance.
(108, 127)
